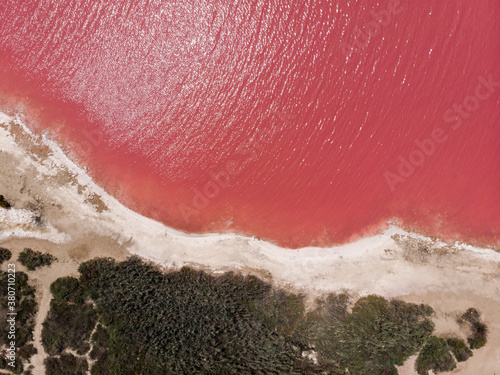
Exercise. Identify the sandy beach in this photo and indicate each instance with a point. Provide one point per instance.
(58, 208)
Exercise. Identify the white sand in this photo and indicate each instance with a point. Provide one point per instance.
(451, 279)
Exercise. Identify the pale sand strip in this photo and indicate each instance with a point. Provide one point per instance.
(451, 279)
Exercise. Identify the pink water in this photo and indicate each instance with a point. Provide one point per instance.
(275, 119)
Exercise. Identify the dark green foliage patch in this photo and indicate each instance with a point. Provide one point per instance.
(459, 349)
(145, 321)
(68, 325)
(186, 322)
(67, 289)
(479, 335)
(5, 254)
(435, 356)
(66, 364)
(471, 315)
(479, 330)
(26, 309)
(32, 259)
(4, 203)
(375, 337)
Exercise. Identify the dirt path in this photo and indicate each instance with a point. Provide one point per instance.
(43, 297)
(43, 279)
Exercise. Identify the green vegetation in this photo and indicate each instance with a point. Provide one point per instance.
(471, 315)
(479, 335)
(5, 254)
(68, 309)
(459, 349)
(4, 203)
(375, 337)
(145, 321)
(435, 356)
(33, 259)
(67, 289)
(99, 341)
(479, 331)
(66, 364)
(26, 308)
(186, 322)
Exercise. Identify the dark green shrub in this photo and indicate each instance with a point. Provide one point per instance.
(479, 331)
(67, 289)
(99, 341)
(66, 364)
(435, 356)
(471, 315)
(33, 259)
(479, 335)
(189, 322)
(68, 326)
(375, 337)
(4, 203)
(26, 308)
(5, 254)
(26, 352)
(459, 349)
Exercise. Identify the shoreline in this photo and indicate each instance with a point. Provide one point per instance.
(66, 151)
(136, 232)
(82, 178)
(80, 221)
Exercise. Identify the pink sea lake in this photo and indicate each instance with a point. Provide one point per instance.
(302, 122)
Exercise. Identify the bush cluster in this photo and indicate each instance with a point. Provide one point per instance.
(186, 322)
(67, 289)
(68, 309)
(4, 203)
(459, 349)
(5, 254)
(479, 330)
(66, 364)
(377, 335)
(32, 259)
(435, 356)
(26, 309)
(145, 321)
